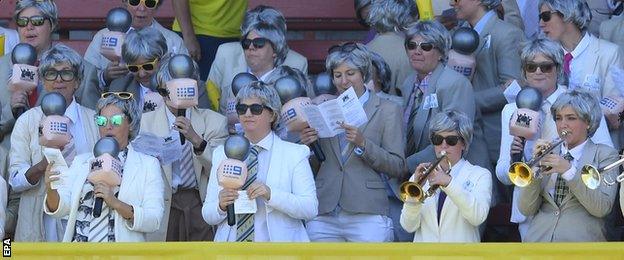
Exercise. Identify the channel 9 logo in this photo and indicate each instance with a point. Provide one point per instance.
(186, 92)
(109, 42)
(58, 127)
(233, 170)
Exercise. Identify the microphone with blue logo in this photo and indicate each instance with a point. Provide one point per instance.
(291, 94)
(24, 76)
(465, 42)
(238, 82)
(54, 128)
(118, 21)
(105, 168)
(232, 172)
(182, 88)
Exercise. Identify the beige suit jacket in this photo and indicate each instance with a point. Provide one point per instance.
(211, 126)
(26, 150)
(356, 184)
(580, 216)
(230, 60)
(390, 46)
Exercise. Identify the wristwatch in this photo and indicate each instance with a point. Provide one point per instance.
(201, 147)
(359, 150)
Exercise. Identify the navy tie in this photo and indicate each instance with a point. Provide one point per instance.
(441, 199)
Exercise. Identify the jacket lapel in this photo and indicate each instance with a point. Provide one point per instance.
(589, 154)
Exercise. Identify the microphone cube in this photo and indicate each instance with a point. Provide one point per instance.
(612, 108)
(24, 78)
(105, 168)
(110, 47)
(525, 123)
(292, 114)
(54, 131)
(464, 64)
(182, 93)
(232, 173)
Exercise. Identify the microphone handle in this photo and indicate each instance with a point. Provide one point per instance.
(182, 112)
(318, 152)
(97, 208)
(517, 157)
(230, 215)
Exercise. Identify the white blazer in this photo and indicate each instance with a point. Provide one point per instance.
(293, 194)
(141, 187)
(466, 206)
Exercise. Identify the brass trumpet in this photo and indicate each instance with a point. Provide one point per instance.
(522, 175)
(414, 190)
(592, 177)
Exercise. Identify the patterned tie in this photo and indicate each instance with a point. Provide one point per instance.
(69, 152)
(245, 222)
(185, 168)
(561, 189)
(412, 110)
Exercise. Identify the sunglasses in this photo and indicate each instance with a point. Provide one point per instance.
(451, 140)
(546, 15)
(256, 109)
(544, 67)
(151, 4)
(120, 95)
(53, 75)
(425, 46)
(149, 66)
(115, 120)
(345, 47)
(258, 43)
(36, 20)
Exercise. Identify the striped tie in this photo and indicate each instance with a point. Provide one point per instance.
(245, 222)
(410, 112)
(69, 152)
(186, 169)
(99, 226)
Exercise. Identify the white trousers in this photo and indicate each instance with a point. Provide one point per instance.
(344, 226)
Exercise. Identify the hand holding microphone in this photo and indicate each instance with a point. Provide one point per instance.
(24, 77)
(232, 173)
(105, 172)
(292, 115)
(182, 88)
(525, 123)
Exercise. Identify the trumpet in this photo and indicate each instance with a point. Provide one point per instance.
(592, 177)
(414, 190)
(522, 175)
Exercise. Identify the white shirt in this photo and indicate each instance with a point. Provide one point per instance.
(19, 182)
(261, 230)
(11, 38)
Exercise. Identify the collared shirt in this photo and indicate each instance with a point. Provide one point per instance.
(580, 54)
(483, 21)
(264, 76)
(364, 97)
(177, 174)
(576, 152)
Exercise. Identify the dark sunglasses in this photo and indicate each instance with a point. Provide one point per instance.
(148, 66)
(451, 140)
(258, 43)
(544, 67)
(66, 75)
(345, 47)
(115, 120)
(256, 109)
(425, 46)
(120, 95)
(36, 20)
(546, 15)
(151, 4)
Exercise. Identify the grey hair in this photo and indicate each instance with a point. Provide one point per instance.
(490, 4)
(267, 95)
(164, 74)
(358, 5)
(358, 58)
(263, 14)
(544, 46)
(384, 74)
(451, 120)
(277, 39)
(58, 54)
(586, 106)
(157, 5)
(431, 31)
(575, 11)
(147, 43)
(392, 15)
(285, 70)
(47, 8)
(129, 107)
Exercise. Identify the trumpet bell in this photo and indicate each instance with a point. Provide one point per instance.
(590, 176)
(520, 174)
(410, 190)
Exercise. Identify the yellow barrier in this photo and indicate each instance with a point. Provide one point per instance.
(207, 250)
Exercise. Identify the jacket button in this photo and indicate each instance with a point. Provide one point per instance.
(557, 213)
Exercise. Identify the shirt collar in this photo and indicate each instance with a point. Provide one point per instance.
(364, 97)
(266, 142)
(581, 46)
(576, 152)
(72, 111)
(553, 97)
(483, 21)
(153, 25)
(264, 76)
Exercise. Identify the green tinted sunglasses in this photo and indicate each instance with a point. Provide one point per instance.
(115, 120)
